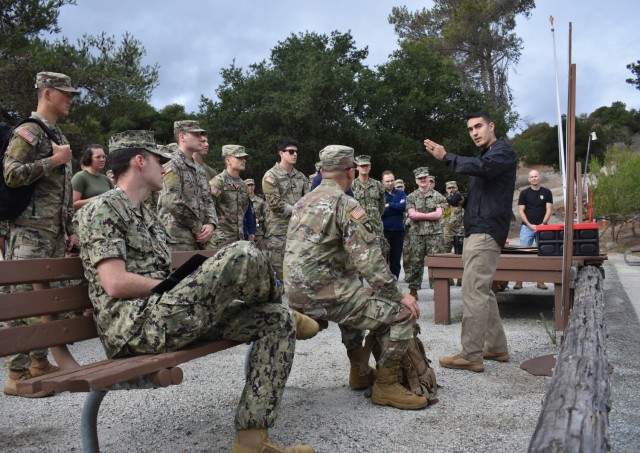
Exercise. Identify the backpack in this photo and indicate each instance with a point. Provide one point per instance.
(417, 373)
(14, 200)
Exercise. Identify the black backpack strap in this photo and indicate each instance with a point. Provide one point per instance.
(52, 136)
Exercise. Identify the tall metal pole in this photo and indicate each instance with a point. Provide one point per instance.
(561, 153)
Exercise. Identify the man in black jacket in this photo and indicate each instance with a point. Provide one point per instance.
(486, 224)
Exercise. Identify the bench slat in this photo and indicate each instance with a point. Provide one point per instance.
(40, 270)
(44, 302)
(104, 374)
(19, 339)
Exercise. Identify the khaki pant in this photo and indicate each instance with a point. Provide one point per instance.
(481, 324)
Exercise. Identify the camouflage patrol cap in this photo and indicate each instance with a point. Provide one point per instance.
(55, 80)
(421, 172)
(398, 183)
(136, 139)
(451, 185)
(363, 159)
(187, 126)
(249, 182)
(432, 178)
(233, 151)
(332, 155)
(318, 165)
(170, 148)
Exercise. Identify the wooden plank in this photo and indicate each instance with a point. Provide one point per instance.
(38, 336)
(107, 373)
(40, 270)
(44, 302)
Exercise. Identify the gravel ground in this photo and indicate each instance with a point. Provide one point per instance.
(494, 411)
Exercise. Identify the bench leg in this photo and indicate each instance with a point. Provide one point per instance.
(442, 301)
(89, 422)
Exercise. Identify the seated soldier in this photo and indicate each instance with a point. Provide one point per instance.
(330, 244)
(231, 296)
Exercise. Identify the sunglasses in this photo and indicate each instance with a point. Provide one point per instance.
(290, 151)
(422, 178)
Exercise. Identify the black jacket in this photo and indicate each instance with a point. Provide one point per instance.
(487, 208)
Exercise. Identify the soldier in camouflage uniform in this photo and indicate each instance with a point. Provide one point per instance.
(370, 193)
(232, 296)
(231, 197)
(185, 205)
(259, 211)
(330, 243)
(282, 186)
(452, 219)
(40, 231)
(425, 207)
(452, 222)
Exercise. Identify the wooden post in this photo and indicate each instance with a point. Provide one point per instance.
(579, 191)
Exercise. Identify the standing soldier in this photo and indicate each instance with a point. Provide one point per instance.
(185, 205)
(259, 210)
(452, 220)
(231, 197)
(282, 186)
(40, 231)
(370, 194)
(425, 208)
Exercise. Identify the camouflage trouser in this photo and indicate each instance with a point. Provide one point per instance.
(384, 246)
(448, 240)
(419, 247)
(232, 296)
(29, 243)
(260, 242)
(391, 321)
(275, 249)
(406, 262)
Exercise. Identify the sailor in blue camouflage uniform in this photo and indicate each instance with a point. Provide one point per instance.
(231, 296)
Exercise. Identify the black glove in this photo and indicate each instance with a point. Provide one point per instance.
(454, 198)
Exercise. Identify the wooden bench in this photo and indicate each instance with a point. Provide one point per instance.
(511, 267)
(138, 372)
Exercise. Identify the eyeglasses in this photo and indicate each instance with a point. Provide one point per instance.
(290, 151)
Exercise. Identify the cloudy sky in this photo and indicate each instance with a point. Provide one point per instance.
(192, 40)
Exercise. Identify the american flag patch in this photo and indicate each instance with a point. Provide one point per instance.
(357, 213)
(28, 136)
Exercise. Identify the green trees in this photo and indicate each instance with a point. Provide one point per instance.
(538, 144)
(616, 195)
(317, 89)
(635, 70)
(115, 86)
(308, 90)
(477, 35)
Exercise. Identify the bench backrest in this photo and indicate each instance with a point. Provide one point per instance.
(62, 308)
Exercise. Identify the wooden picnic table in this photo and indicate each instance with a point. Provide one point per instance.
(512, 266)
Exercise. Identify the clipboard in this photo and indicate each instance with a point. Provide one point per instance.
(179, 274)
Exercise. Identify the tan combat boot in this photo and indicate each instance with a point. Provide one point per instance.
(518, 285)
(358, 381)
(541, 285)
(414, 293)
(387, 391)
(40, 367)
(306, 327)
(257, 441)
(11, 385)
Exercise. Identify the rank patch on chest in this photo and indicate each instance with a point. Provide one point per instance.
(27, 135)
(357, 213)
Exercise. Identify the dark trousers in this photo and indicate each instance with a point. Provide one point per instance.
(395, 239)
